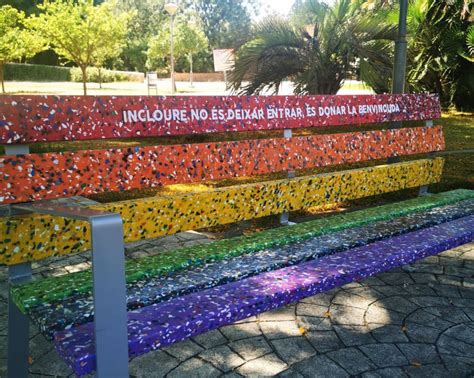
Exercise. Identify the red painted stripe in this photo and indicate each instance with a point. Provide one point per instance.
(28, 119)
(51, 175)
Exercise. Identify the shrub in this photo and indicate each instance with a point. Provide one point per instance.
(36, 72)
(108, 76)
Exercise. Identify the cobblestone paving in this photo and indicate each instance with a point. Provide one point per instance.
(414, 321)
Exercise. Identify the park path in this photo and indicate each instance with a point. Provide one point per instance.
(415, 321)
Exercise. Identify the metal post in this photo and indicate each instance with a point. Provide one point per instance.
(18, 323)
(173, 83)
(399, 63)
(18, 326)
(108, 273)
(285, 216)
(110, 309)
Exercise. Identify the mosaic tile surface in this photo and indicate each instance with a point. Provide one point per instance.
(167, 262)
(26, 119)
(37, 237)
(51, 317)
(62, 174)
(165, 323)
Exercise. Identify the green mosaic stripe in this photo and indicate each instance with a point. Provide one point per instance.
(57, 288)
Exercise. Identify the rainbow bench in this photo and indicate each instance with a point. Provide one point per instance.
(100, 318)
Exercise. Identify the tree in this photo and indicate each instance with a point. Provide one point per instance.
(189, 41)
(78, 31)
(147, 18)
(112, 44)
(226, 23)
(316, 54)
(15, 41)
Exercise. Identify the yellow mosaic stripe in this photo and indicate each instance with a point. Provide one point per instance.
(27, 238)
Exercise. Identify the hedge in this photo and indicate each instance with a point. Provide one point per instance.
(36, 72)
(108, 76)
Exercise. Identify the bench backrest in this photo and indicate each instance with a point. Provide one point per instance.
(39, 176)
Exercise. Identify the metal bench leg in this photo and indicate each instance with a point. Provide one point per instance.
(110, 310)
(18, 327)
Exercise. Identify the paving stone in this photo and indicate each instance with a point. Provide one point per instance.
(421, 278)
(390, 291)
(462, 302)
(446, 291)
(458, 271)
(194, 368)
(156, 364)
(450, 280)
(436, 370)
(380, 315)
(223, 358)
(423, 317)
(210, 339)
(397, 303)
(395, 278)
(290, 373)
(325, 341)
(352, 360)
(389, 334)
(320, 367)
(251, 348)
(468, 282)
(419, 289)
(305, 309)
(268, 365)
(347, 315)
(418, 333)
(310, 323)
(459, 366)
(429, 301)
(293, 349)
(190, 235)
(323, 299)
(450, 261)
(422, 353)
(50, 364)
(428, 268)
(39, 346)
(279, 330)
(348, 299)
(247, 320)
(384, 355)
(458, 341)
(241, 331)
(385, 373)
(372, 281)
(280, 314)
(184, 350)
(354, 335)
(466, 292)
(453, 314)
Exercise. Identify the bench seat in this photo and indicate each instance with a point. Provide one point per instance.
(78, 308)
(51, 289)
(165, 323)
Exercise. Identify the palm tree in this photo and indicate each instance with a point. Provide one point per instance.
(317, 56)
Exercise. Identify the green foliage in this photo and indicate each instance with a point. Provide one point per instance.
(104, 76)
(36, 72)
(15, 41)
(226, 23)
(316, 57)
(189, 41)
(147, 18)
(80, 32)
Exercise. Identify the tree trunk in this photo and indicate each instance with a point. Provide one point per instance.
(191, 69)
(84, 79)
(100, 77)
(2, 66)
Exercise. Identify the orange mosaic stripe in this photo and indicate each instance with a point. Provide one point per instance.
(51, 175)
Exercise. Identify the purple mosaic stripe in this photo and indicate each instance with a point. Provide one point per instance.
(165, 323)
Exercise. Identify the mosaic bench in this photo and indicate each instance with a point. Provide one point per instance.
(100, 318)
